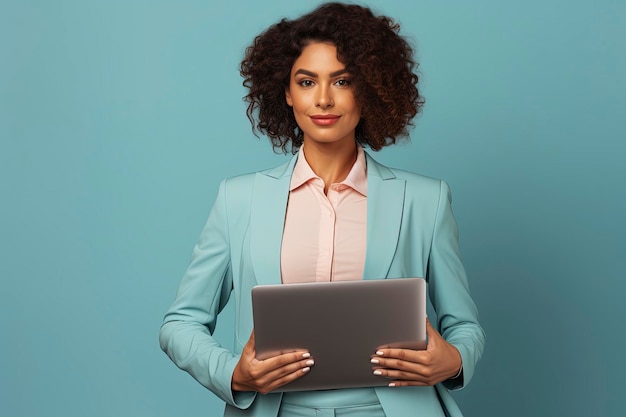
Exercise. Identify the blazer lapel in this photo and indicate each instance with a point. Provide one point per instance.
(267, 221)
(385, 204)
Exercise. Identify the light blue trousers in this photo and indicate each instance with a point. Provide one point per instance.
(359, 402)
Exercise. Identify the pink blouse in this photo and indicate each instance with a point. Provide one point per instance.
(325, 235)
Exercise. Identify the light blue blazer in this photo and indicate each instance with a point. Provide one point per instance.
(411, 232)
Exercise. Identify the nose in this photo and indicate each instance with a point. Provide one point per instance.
(324, 99)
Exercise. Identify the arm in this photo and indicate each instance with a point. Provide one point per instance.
(457, 315)
(187, 331)
(440, 362)
(461, 335)
(264, 376)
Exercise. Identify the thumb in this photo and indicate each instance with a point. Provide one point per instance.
(432, 334)
(249, 350)
(250, 345)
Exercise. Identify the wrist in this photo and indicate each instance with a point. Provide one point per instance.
(458, 370)
(235, 383)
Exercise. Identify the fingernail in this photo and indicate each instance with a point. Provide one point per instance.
(380, 353)
(377, 372)
(374, 360)
(305, 370)
(310, 362)
(306, 355)
(392, 385)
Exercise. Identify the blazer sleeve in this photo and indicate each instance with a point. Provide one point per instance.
(457, 315)
(187, 331)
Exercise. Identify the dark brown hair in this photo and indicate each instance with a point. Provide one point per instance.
(379, 60)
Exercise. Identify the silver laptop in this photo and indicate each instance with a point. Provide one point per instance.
(342, 324)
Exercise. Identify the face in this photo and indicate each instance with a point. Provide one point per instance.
(322, 97)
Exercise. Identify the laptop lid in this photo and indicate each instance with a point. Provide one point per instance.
(342, 324)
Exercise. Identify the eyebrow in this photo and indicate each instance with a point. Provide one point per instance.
(312, 74)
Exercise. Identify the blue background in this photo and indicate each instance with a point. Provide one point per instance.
(119, 118)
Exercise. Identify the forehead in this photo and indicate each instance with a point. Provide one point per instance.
(319, 57)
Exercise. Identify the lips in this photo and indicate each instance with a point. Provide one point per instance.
(325, 119)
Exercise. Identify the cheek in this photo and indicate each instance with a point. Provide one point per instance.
(300, 103)
(297, 107)
(356, 110)
(351, 103)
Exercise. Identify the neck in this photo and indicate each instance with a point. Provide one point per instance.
(331, 162)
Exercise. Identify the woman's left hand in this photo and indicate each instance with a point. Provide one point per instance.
(439, 362)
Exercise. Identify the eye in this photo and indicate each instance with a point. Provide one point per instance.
(343, 82)
(305, 83)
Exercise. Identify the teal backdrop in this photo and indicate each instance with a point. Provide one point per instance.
(118, 119)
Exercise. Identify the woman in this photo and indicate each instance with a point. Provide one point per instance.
(325, 85)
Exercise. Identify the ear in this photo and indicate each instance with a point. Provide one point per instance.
(288, 97)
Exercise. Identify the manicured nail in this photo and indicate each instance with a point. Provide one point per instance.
(377, 372)
(374, 360)
(306, 355)
(392, 384)
(380, 353)
(310, 362)
(305, 370)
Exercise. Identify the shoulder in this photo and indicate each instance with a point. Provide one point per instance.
(415, 183)
(236, 190)
(243, 185)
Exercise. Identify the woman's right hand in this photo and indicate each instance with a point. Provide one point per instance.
(252, 374)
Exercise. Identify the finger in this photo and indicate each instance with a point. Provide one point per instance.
(429, 325)
(401, 383)
(250, 344)
(398, 375)
(283, 375)
(431, 335)
(408, 355)
(431, 332)
(397, 364)
(287, 362)
(303, 365)
(285, 379)
(425, 376)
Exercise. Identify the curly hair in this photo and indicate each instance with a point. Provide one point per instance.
(379, 60)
